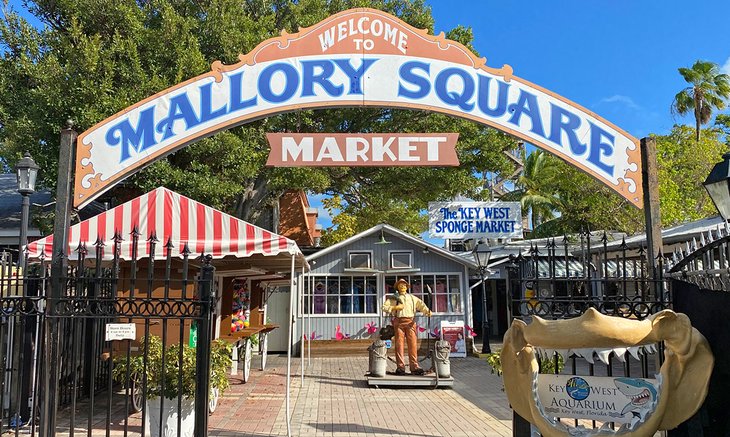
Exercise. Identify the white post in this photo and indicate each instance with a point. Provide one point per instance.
(300, 288)
(309, 318)
(288, 349)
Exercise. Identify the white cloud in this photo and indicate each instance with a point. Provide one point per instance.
(725, 67)
(624, 100)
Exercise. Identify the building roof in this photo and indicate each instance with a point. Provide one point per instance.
(187, 225)
(386, 228)
(676, 234)
(11, 202)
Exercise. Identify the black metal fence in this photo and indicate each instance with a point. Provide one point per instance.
(700, 272)
(563, 279)
(63, 373)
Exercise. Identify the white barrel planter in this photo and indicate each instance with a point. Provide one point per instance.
(168, 416)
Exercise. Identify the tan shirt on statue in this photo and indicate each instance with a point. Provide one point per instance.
(411, 304)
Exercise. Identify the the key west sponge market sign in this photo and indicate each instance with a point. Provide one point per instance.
(359, 57)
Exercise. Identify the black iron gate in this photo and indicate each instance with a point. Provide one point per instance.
(563, 280)
(700, 273)
(64, 376)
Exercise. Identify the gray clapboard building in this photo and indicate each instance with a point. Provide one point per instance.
(348, 283)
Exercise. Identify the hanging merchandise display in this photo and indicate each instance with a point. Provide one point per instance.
(241, 314)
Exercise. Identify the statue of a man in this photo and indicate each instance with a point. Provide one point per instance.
(404, 307)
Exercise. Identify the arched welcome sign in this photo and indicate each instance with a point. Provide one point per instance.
(359, 57)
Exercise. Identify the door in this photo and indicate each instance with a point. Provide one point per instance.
(277, 311)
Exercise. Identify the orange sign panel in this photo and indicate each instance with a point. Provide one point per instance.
(371, 150)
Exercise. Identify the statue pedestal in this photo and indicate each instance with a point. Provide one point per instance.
(407, 380)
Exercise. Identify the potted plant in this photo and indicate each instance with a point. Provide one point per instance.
(162, 378)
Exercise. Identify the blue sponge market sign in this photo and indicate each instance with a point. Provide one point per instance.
(606, 399)
(359, 57)
(475, 219)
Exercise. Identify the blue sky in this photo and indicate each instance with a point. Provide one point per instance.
(618, 58)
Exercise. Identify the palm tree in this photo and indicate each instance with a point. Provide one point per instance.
(709, 89)
(534, 189)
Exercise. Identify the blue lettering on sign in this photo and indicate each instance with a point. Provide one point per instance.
(180, 109)
(527, 105)
(355, 74)
(237, 92)
(206, 112)
(322, 78)
(455, 86)
(291, 83)
(599, 148)
(407, 74)
(139, 138)
(564, 121)
(483, 97)
(416, 83)
(452, 97)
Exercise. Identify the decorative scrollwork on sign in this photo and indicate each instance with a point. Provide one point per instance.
(142, 308)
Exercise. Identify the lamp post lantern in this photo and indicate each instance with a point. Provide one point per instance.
(717, 185)
(27, 172)
(482, 253)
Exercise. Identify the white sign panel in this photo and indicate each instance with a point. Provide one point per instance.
(121, 331)
(606, 399)
(475, 219)
(359, 57)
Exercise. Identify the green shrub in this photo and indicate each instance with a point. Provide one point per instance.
(165, 381)
(546, 366)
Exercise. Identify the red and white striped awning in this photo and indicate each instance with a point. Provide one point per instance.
(170, 216)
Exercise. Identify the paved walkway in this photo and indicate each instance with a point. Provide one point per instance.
(335, 400)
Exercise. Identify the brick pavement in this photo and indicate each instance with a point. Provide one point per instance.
(335, 401)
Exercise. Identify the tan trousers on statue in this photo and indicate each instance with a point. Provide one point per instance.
(405, 329)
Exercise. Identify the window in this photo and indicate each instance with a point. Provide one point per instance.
(441, 293)
(360, 260)
(401, 260)
(340, 295)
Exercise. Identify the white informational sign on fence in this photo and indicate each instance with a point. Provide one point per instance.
(475, 219)
(605, 399)
(121, 331)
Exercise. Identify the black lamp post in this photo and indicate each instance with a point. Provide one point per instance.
(717, 185)
(482, 253)
(27, 172)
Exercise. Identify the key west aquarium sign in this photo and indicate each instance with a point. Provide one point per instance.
(359, 57)
(607, 399)
(474, 219)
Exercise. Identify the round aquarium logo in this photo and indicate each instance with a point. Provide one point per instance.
(577, 388)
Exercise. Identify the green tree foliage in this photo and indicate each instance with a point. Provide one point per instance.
(93, 58)
(535, 187)
(683, 164)
(709, 90)
(722, 123)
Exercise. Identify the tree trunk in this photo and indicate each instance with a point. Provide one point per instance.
(253, 201)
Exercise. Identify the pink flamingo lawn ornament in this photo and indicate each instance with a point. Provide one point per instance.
(370, 328)
(470, 331)
(339, 335)
(312, 336)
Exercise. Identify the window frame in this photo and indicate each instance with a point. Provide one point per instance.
(400, 252)
(431, 277)
(369, 253)
(330, 280)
